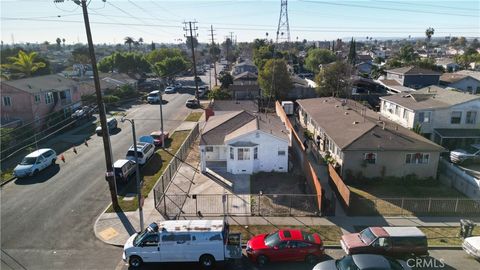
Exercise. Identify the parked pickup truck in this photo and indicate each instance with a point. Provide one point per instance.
(467, 155)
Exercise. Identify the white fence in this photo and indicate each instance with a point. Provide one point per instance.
(451, 175)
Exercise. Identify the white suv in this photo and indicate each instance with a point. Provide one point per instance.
(34, 162)
(144, 152)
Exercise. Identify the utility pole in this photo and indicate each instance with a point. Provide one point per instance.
(193, 52)
(215, 57)
(109, 175)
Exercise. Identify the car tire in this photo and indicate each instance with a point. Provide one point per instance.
(135, 261)
(311, 259)
(207, 261)
(262, 260)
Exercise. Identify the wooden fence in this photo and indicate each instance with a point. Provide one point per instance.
(340, 186)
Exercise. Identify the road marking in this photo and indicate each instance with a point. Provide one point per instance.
(108, 233)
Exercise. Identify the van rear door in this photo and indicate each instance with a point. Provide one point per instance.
(233, 247)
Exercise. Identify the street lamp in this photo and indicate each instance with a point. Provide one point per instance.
(161, 117)
(137, 171)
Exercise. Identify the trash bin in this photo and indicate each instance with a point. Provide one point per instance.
(466, 227)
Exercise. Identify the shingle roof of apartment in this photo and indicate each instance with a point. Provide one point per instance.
(430, 97)
(412, 70)
(452, 77)
(38, 84)
(354, 127)
(228, 126)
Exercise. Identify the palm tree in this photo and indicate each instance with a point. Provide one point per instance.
(129, 41)
(24, 65)
(429, 33)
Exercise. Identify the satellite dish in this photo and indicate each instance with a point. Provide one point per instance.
(147, 139)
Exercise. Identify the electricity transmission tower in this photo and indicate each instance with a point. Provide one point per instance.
(283, 29)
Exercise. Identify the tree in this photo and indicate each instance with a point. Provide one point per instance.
(334, 80)
(352, 55)
(219, 94)
(225, 79)
(262, 54)
(63, 40)
(152, 47)
(24, 64)
(59, 43)
(189, 44)
(129, 41)
(274, 79)
(81, 55)
(163, 53)
(214, 51)
(171, 66)
(316, 57)
(377, 72)
(429, 33)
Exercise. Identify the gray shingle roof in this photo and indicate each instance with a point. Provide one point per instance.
(38, 84)
(412, 70)
(430, 97)
(353, 127)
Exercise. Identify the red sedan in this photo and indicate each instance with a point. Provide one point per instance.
(285, 245)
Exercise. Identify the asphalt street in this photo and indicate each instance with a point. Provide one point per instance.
(438, 260)
(47, 221)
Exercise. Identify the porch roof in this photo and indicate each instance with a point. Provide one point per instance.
(243, 144)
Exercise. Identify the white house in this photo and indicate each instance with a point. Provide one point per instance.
(244, 143)
(449, 118)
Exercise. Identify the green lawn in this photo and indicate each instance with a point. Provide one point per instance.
(6, 175)
(152, 171)
(330, 234)
(384, 198)
(194, 116)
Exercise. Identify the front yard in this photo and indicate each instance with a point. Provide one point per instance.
(403, 198)
(194, 116)
(151, 172)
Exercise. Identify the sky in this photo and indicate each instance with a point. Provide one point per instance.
(162, 21)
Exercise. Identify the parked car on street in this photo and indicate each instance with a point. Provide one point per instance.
(470, 154)
(154, 96)
(124, 169)
(192, 103)
(390, 241)
(35, 162)
(170, 90)
(84, 113)
(144, 152)
(471, 245)
(157, 137)
(203, 241)
(178, 86)
(363, 262)
(285, 245)
(111, 124)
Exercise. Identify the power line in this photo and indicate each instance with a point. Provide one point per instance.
(387, 8)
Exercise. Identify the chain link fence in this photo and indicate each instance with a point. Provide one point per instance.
(165, 179)
(176, 205)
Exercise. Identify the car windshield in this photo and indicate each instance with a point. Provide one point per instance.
(367, 236)
(28, 161)
(153, 95)
(272, 239)
(138, 239)
(346, 263)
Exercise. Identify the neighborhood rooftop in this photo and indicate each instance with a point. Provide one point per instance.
(354, 127)
(430, 97)
(39, 84)
(412, 70)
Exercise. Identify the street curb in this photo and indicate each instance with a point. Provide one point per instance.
(95, 228)
(7, 181)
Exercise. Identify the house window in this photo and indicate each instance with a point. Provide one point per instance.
(405, 114)
(417, 158)
(255, 153)
(232, 153)
(469, 89)
(243, 153)
(370, 158)
(471, 117)
(456, 118)
(209, 149)
(281, 152)
(37, 98)
(424, 117)
(7, 102)
(48, 97)
(397, 110)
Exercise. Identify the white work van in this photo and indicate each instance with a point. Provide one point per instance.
(203, 241)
